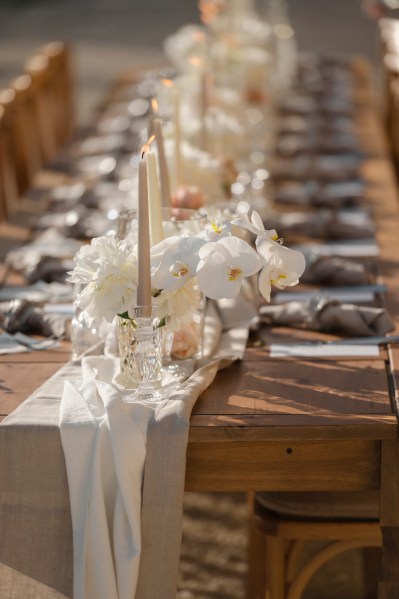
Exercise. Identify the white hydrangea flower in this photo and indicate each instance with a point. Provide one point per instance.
(222, 266)
(178, 306)
(109, 270)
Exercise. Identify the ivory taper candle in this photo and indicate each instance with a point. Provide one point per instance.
(176, 122)
(163, 167)
(203, 103)
(154, 200)
(143, 253)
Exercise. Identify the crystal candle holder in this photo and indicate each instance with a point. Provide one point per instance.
(140, 352)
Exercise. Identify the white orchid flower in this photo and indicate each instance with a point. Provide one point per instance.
(222, 266)
(174, 261)
(109, 270)
(255, 224)
(282, 266)
(215, 229)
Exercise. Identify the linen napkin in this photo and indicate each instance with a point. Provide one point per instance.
(21, 316)
(326, 224)
(110, 446)
(332, 270)
(324, 314)
(328, 195)
(50, 243)
(48, 269)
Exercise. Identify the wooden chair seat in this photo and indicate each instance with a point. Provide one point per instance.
(328, 506)
(283, 524)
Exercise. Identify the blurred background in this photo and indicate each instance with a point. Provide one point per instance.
(109, 36)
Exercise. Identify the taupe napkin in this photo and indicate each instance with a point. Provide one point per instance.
(327, 195)
(326, 224)
(50, 243)
(20, 316)
(324, 314)
(48, 269)
(331, 270)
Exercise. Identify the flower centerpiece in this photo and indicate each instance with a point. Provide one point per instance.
(213, 263)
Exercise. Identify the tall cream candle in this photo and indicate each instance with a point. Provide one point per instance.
(203, 103)
(176, 119)
(143, 255)
(163, 167)
(154, 200)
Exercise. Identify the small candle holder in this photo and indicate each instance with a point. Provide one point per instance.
(140, 352)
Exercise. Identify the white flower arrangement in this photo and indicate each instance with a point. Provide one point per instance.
(213, 262)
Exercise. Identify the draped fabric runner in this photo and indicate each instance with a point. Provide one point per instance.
(107, 445)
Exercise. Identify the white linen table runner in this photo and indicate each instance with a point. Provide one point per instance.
(117, 546)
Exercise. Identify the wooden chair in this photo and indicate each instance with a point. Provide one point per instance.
(59, 89)
(8, 178)
(281, 526)
(44, 105)
(393, 125)
(388, 67)
(24, 147)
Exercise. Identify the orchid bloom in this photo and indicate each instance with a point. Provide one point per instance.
(215, 229)
(174, 261)
(222, 266)
(282, 266)
(255, 224)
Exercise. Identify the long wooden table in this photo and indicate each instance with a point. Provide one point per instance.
(293, 424)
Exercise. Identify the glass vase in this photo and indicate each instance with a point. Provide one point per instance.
(175, 221)
(140, 352)
(185, 343)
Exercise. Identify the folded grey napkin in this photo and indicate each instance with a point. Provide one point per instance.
(327, 315)
(331, 270)
(326, 224)
(23, 317)
(50, 243)
(48, 269)
(335, 194)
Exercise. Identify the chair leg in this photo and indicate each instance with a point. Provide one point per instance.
(275, 568)
(371, 569)
(256, 582)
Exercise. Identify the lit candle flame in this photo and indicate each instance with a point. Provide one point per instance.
(154, 106)
(147, 146)
(209, 9)
(195, 61)
(167, 83)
